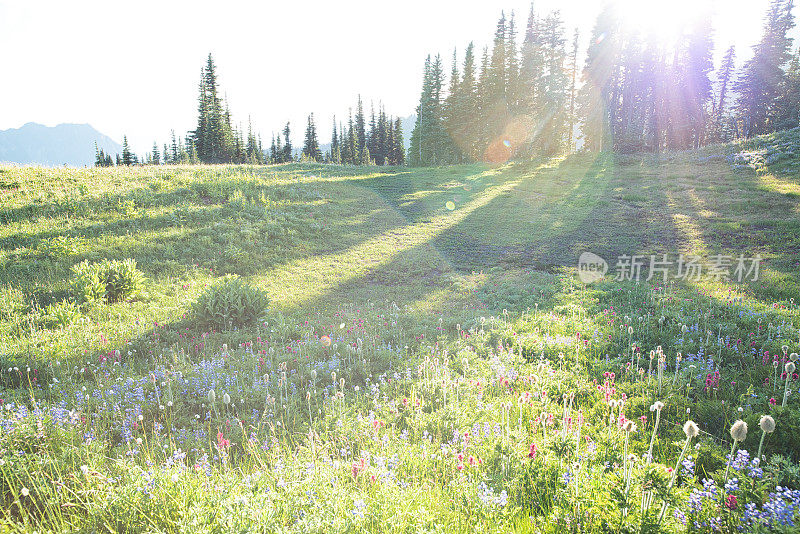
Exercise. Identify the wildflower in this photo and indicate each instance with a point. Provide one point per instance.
(767, 425)
(730, 502)
(222, 443)
(226, 399)
(690, 429)
(532, 451)
(656, 407)
(739, 431)
(212, 396)
(25, 492)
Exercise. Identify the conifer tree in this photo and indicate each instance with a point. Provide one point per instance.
(398, 150)
(450, 119)
(336, 151)
(719, 110)
(311, 149)
(175, 151)
(574, 76)
(467, 120)
(372, 135)
(128, 157)
(361, 135)
(513, 88)
(155, 155)
(352, 141)
(287, 156)
(789, 99)
(763, 75)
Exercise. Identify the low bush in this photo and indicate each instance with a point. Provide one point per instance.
(113, 281)
(231, 302)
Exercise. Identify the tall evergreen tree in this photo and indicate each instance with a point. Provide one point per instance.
(336, 151)
(213, 138)
(573, 66)
(311, 146)
(513, 88)
(450, 119)
(288, 154)
(789, 99)
(466, 114)
(719, 109)
(397, 150)
(361, 134)
(763, 75)
(128, 157)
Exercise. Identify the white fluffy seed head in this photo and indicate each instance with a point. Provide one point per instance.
(793, 356)
(629, 426)
(790, 367)
(739, 430)
(226, 398)
(691, 429)
(657, 406)
(767, 424)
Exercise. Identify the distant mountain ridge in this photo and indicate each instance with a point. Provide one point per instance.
(65, 144)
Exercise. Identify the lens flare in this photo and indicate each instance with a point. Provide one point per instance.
(450, 205)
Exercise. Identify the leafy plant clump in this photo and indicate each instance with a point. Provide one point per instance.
(62, 313)
(231, 302)
(113, 281)
(122, 279)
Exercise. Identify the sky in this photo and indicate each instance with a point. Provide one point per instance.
(133, 67)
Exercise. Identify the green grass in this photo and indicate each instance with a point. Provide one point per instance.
(316, 236)
(441, 296)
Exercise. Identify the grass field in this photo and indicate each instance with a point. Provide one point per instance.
(428, 360)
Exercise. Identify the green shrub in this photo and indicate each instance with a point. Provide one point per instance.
(87, 285)
(62, 313)
(122, 279)
(110, 280)
(230, 302)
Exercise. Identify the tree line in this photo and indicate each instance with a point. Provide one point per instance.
(216, 140)
(529, 96)
(637, 93)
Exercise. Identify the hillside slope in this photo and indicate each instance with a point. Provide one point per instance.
(315, 235)
(65, 144)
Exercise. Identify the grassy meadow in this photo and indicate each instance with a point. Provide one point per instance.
(428, 360)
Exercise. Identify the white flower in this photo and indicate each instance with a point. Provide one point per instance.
(226, 399)
(767, 424)
(739, 430)
(25, 492)
(690, 429)
(212, 396)
(657, 406)
(85, 470)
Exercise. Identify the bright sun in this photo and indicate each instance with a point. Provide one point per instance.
(663, 18)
